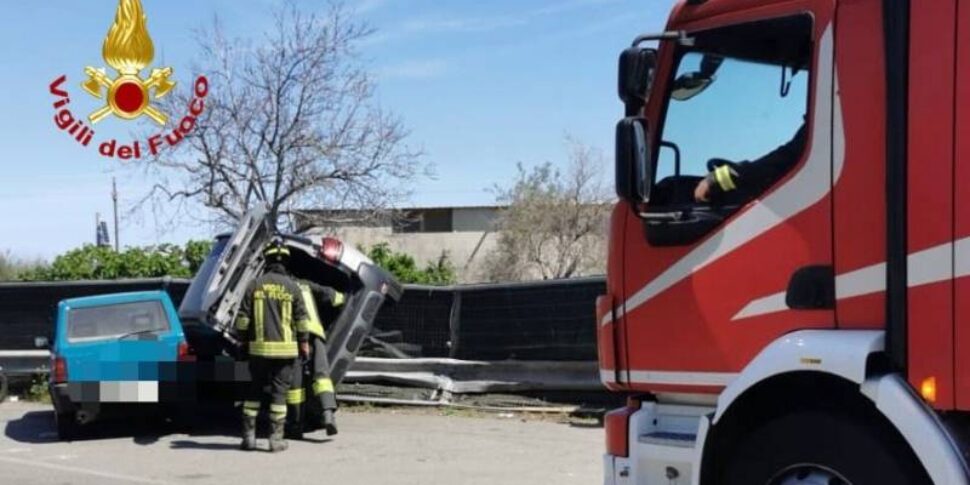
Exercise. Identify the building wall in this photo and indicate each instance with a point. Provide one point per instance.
(473, 218)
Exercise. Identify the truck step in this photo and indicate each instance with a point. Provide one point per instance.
(667, 438)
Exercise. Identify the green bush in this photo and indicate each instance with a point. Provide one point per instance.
(37, 391)
(104, 263)
(406, 270)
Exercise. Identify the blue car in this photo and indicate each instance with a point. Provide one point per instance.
(113, 349)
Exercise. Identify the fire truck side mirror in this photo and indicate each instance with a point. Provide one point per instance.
(635, 77)
(634, 167)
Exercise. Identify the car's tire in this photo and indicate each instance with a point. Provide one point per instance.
(818, 447)
(67, 427)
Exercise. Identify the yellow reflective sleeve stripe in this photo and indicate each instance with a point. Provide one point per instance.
(258, 316)
(273, 349)
(287, 329)
(339, 298)
(303, 326)
(723, 176)
(295, 396)
(313, 325)
(322, 385)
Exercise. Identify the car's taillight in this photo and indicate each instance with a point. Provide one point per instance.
(331, 249)
(59, 369)
(185, 353)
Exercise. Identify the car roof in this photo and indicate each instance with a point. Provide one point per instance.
(113, 298)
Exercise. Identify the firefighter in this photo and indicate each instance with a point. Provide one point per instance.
(272, 323)
(750, 178)
(322, 386)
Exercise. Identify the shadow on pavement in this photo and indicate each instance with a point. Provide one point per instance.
(38, 427)
(195, 445)
(582, 425)
(310, 439)
(35, 427)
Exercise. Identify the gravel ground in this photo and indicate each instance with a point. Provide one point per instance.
(375, 446)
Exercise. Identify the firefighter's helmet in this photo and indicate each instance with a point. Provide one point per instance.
(276, 250)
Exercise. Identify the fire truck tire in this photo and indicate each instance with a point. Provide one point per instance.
(811, 447)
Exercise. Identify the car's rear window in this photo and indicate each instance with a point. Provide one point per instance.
(113, 321)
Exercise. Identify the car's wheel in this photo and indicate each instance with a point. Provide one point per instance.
(67, 426)
(819, 448)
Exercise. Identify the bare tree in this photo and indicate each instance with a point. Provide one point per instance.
(290, 121)
(555, 223)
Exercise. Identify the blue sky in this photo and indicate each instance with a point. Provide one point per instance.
(481, 85)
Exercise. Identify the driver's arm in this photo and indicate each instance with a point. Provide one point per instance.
(755, 176)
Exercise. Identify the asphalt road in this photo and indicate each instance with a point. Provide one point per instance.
(376, 447)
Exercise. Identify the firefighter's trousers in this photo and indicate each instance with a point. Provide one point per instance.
(322, 387)
(272, 378)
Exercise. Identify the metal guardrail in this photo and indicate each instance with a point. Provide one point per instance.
(3, 385)
(448, 375)
(19, 363)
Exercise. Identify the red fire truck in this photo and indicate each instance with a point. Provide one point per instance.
(787, 299)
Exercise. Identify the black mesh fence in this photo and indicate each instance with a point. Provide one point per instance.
(529, 321)
(417, 326)
(523, 321)
(27, 309)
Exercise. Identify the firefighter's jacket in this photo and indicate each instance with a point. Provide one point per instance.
(272, 317)
(327, 295)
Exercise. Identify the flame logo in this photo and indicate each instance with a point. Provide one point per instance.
(128, 48)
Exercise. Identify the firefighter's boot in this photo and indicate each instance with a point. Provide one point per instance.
(329, 421)
(294, 423)
(249, 433)
(276, 440)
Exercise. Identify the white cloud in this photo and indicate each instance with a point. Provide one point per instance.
(414, 69)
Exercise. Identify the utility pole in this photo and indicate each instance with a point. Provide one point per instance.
(114, 200)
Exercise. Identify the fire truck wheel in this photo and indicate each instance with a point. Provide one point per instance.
(819, 448)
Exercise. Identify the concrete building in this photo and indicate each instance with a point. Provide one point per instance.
(465, 234)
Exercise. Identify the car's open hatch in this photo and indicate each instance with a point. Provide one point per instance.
(211, 302)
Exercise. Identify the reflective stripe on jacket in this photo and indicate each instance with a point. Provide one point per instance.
(272, 317)
(314, 324)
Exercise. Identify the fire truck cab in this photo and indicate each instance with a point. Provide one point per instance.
(787, 297)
